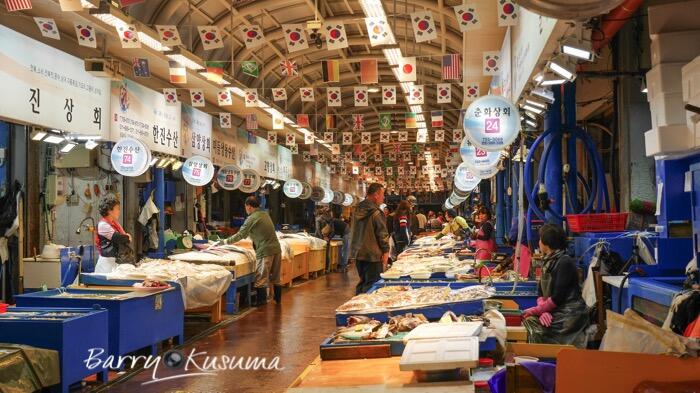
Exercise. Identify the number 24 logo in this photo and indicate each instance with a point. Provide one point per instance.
(492, 126)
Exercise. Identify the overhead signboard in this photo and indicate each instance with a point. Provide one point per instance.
(224, 146)
(196, 132)
(141, 113)
(50, 88)
(528, 40)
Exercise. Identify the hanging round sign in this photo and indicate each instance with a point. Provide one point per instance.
(130, 157)
(338, 198)
(492, 123)
(476, 158)
(198, 171)
(456, 200)
(327, 195)
(485, 173)
(348, 200)
(292, 188)
(317, 194)
(465, 180)
(251, 181)
(230, 177)
(305, 191)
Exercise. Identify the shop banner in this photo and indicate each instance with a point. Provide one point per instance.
(141, 113)
(196, 132)
(130, 157)
(198, 171)
(492, 123)
(224, 146)
(247, 159)
(284, 163)
(528, 40)
(44, 86)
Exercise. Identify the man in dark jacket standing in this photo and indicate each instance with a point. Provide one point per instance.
(369, 244)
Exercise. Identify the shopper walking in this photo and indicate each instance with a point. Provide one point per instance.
(258, 226)
(401, 227)
(369, 244)
(337, 227)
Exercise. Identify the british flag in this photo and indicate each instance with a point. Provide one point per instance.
(358, 122)
(289, 68)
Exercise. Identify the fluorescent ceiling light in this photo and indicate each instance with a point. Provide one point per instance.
(551, 80)
(185, 61)
(533, 109)
(177, 165)
(539, 77)
(536, 103)
(237, 91)
(68, 147)
(153, 161)
(38, 135)
(54, 139)
(151, 42)
(91, 144)
(531, 123)
(563, 67)
(163, 162)
(373, 90)
(544, 94)
(579, 49)
(531, 115)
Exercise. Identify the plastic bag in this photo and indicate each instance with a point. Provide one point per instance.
(632, 333)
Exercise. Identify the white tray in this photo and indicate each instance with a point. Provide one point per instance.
(444, 330)
(440, 354)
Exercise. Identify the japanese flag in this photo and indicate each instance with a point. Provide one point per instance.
(128, 36)
(211, 37)
(295, 36)
(467, 17)
(251, 98)
(279, 94)
(252, 36)
(423, 26)
(403, 136)
(224, 97)
(439, 135)
(225, 120)
(384, 137)
(307, 94)
(366, 138)
(272, 137)
(389, 95)
(415, 96)
(407, 69)
(86, 34)
(48, 28)
(334, 97)
(472, 92)
(197, 97)
(507, 13)
(444, 93)
(361, 98)
(168, 35)
(336, 37)
(277, 122)
(291, 140)
(170, 96)
(328, 137)
(379, 31)
(492, 63)
(457, 135)
(347, 138)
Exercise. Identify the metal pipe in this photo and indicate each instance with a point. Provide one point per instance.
(500, 206)
(613, 22)
(553, 168)
(570, 124)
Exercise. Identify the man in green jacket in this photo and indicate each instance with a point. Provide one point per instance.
(258, 226)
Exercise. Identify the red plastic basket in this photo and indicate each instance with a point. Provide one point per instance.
(601, 222)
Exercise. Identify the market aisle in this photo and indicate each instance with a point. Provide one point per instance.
(292, 331)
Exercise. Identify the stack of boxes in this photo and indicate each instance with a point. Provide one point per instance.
(675, 44)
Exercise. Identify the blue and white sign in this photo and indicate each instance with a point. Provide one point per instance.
(230, 177)
(492, 123)
(198, 171)
(465, 180)
(292, 188)
(251, 181)
(130, 157)
(476, 158)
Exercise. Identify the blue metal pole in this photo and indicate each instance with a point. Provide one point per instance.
(159, 199)
(506, 197)
(553, 170)
(570, 124)
(500, 206)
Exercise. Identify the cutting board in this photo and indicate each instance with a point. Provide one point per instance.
(440, 354)
(444, 330)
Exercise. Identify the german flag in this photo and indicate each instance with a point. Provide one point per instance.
(331, 71)
(330, 122)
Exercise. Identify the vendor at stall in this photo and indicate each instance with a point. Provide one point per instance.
(268, 253)
(402, 227)
(561, 316)
(456, 225)
(111, 240)
(484, 238)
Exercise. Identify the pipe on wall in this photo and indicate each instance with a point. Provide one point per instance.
(613, 22)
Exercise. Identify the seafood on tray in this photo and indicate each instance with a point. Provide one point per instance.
(363, 328)
(386, 299)
(415, 265)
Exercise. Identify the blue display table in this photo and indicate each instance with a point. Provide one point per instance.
(72, 332)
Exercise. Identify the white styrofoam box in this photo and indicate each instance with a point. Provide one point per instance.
(664, 78)
(678, 16)
(444, 330)
(693, 120)
(675, 138)
(667, 109)
(440, 354)
(690, 74)
(678, 47)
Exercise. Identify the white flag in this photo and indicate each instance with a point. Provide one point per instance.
(295, 36)
(48, 28)
(251, 98)
(423, 26)
(361, 98)
(467, 17)
(407, 69)
(211, 37)
(224, 97)
(197, 97)
(168, 35)
(334, 97)
(389, 95)
(415, 96)
(279, 94)
(252, 36)
(444, 93)
(379, 31)
(336, 37)
(307, 94)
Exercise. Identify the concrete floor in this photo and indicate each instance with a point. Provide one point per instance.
(292, 331)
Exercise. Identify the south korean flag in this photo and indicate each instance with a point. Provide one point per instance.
(472, 92)
(328, 137)
(253, 36)
(467, 17)
(439, 136)
(334, 97)
(279, 94)
(384, 137)
(444, 93)
(272, 137)
(389, 95)
(295, 36)
(291, 139)
(492, 63)
(347, 139)
(251, 98)
(507, 13)
(48, 28)
(457, 135)
(361, 98)
(366, 138)
(225, 120)
(306, 156)
(423, 26)
(336, 37)
(403, 136)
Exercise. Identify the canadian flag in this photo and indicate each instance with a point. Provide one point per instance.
(389, 95)
(361, 98)
(251, 98)
(407, 69)
(334, 97)
(197, 97)
(472, 91)
(444, 93)
(307, 94)
(416, 95)
(224, 97)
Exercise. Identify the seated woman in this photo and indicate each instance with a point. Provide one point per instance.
(561, 316)
(484, 239)
(456, 225)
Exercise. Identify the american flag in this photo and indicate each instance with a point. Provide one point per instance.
(358, 122)
(289, 68)
(251, 121)
(451, 67)
(18, 5)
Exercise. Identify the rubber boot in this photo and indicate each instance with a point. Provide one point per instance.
(261, 298)
(278, 294)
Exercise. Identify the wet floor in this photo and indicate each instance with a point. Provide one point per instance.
(292, 332)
